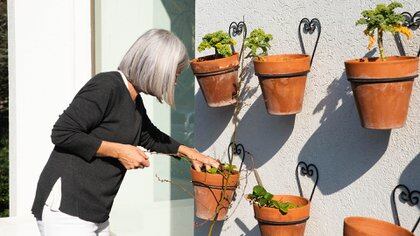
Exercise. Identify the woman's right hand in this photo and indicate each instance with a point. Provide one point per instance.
(130, 156)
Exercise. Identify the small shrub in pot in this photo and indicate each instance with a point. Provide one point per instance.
(382, 85)
(279, 215)
(217, 74)
(214, 190)
(282, 77)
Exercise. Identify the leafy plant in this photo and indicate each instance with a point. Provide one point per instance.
(263, 198)
(225, 168)
(258, 42)
(220, 41)
(383, 19)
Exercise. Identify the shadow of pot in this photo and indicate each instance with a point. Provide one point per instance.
(283, 79)
(271, 222)
(217, 78)
(364, 226)
(382, 89)
(209, 199)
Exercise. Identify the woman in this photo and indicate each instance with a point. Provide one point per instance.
(96, 138)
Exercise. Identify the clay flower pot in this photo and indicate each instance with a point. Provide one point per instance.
(282, 79)
(272, 222)
(217, 79)
(382, 89)
(363, 226)
(208, 194)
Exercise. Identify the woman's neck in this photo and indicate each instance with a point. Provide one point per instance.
(132, 91)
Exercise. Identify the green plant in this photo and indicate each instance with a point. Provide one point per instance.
(223, 169)
(383, 19)
(258, 42)
(262, 198)
(220, 41)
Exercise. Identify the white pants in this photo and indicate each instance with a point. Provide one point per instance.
(57, 223)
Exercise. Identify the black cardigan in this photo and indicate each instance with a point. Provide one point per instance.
(101, 110)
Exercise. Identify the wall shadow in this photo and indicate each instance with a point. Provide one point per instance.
(411, 175)
(202, 227)
(340, 147)
(255, 124)
(214, 129)
(247, 232)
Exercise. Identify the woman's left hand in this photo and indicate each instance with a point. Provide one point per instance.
(197, 159)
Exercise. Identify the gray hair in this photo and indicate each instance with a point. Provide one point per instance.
(152, 62)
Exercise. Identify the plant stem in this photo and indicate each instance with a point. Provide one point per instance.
(381, 45)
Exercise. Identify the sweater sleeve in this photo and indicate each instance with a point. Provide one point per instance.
(152, 138)
(71, 131)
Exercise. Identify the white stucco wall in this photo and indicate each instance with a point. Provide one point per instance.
(358, 167)
(49, 61)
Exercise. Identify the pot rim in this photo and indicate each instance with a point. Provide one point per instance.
(195, 60)
(400, 59)
(301, 57)
(370, 219)
(286, 195)
(235, 172)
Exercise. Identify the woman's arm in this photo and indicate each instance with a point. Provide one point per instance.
(155, 140)
(71, 132)
(131, 157)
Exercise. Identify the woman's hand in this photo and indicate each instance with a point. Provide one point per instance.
(197, 159)
(130, 156)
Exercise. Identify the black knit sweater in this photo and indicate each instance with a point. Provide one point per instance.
(101, 110)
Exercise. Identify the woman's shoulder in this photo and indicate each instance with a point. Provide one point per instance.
(111, 79)
(105, 83)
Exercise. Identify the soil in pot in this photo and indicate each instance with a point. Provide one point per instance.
(364, 226)
(218, 79)
(382, 89)
(272, 222)
(208, 193)
(282, 79)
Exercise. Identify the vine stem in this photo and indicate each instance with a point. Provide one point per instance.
(381, 44)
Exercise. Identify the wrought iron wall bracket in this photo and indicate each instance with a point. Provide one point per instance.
(309, 27)
(309, 171)
(237, 29)
(413, 23)
(236, 149)
(406, 196)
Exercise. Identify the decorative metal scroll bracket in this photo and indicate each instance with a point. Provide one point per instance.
(406, 196)
(413, 23)
(236, 149)
(307, 170)
(309, 27)
(237, 29)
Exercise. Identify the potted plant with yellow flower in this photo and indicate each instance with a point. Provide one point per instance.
(382, 85)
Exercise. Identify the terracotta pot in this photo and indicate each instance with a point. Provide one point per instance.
(217, 79)
(272, 222)
(208, 197)
(382, 89)
(282, 79)
(363, 226)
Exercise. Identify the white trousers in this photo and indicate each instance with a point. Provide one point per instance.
(57, 223)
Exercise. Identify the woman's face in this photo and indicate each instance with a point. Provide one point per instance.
(178, 73)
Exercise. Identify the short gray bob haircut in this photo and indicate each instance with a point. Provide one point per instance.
(152, 63)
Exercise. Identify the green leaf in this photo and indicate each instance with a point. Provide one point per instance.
(259, 191)
(262, 202)
(268, 196)
(212, 170)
